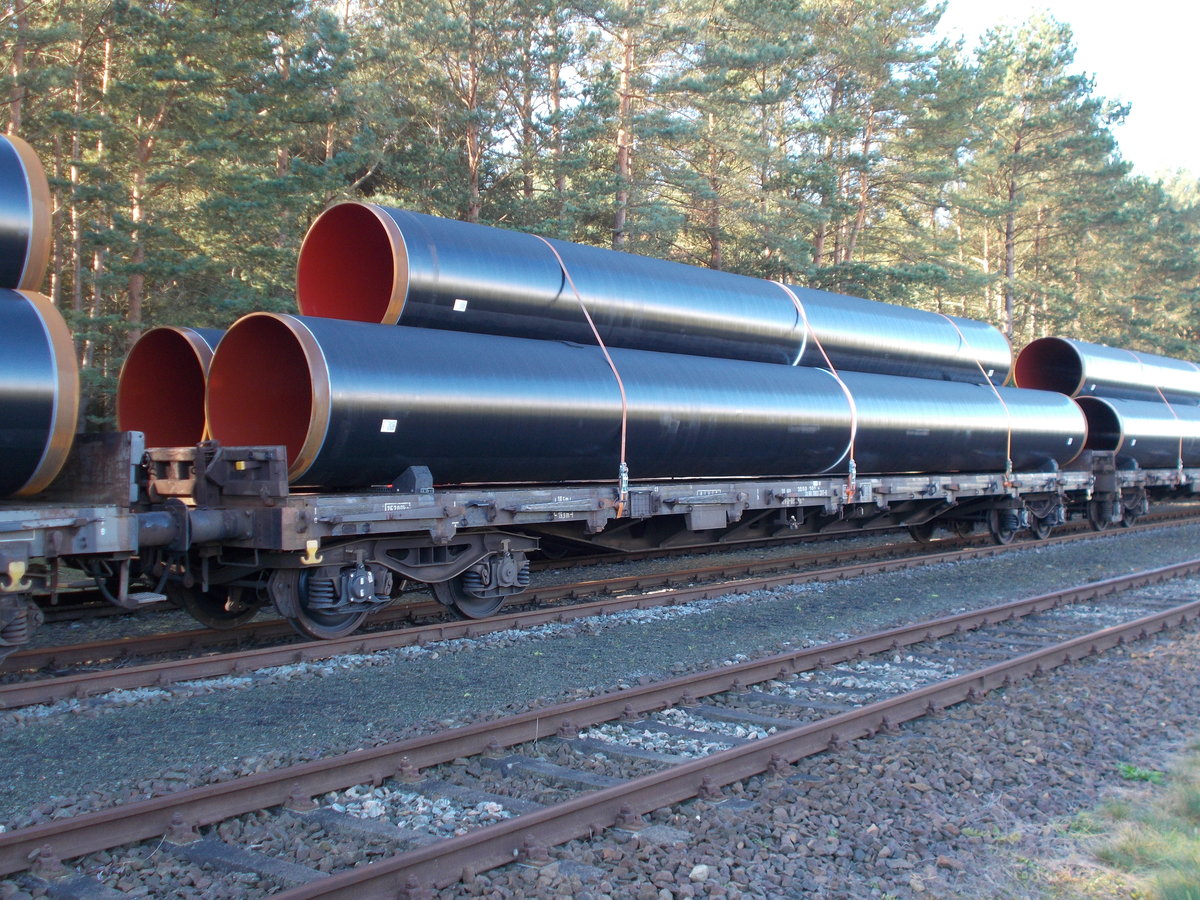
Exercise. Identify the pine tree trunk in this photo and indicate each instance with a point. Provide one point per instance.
(620, 236)
(99, 259)
(1010, 259)
(715, 248)
(474, 161)
(864, 191)
(556, 144)
(17, 68)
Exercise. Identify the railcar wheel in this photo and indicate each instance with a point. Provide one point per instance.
(1129, 517)
(222, 606)
(1041, 528)
(462, 602)
(313, 618)
(1003, 524)
(963, 527)
(922, 533)
(1098, 517)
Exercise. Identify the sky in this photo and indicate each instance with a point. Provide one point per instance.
(1142, 52)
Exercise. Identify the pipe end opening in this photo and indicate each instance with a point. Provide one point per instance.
(1104, 430)
(1049, 364)
(352, 265)
(263, 389)
(160, 391)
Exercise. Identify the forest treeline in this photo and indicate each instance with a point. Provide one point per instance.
(830, 143)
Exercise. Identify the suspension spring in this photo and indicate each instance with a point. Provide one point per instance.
(322, 594)
(17, 631)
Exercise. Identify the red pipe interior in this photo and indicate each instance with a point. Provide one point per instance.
(347, 266)
(161, 390)
(259, 387)
(1049, 364)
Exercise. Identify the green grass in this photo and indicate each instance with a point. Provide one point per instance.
(1155, 838)
(1137, 773)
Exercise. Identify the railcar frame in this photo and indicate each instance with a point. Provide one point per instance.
(218, 530)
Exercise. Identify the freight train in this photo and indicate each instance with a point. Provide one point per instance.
(454, 397)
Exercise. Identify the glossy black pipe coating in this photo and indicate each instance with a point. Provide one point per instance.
(913, 425)
(868, 336)
(371, 263)
(356, 404)
(39, 392)
(1151, 433)
(161, 387)
(24, 216)
(1081, 369)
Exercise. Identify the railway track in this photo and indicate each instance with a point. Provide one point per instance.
(710, 729)
(546, 606)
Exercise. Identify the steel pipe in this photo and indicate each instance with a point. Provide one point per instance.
(357, 404)
(909, 425)
(371, 263)
(25, 225)
(39, 392)
(1080, 369)
(1154, 435)
(868, 336)
(161, 387)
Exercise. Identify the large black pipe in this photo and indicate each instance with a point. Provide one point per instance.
(910, 425)
(371, 263)
(867, 336)
(1153, 434)
(1082, 369)
(356, 404)
(161, 387)
(39, 392)
(24, 216)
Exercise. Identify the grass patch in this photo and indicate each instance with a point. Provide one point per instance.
(1154, 838)
(1137, 773)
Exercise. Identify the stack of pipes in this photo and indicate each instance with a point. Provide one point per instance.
(497, 356)
(39, 375)
(493, 355)
(1144, 407)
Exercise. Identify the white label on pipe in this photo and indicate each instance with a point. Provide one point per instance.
(387, 426)
(460, 305)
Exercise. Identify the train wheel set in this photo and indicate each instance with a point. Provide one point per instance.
(452, 395)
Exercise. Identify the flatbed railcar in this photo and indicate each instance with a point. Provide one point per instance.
(218, 530)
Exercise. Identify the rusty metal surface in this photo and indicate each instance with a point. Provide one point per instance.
(200, 806)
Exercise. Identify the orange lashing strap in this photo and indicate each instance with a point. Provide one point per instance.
(623, 468)
(1170, 409)
(852, 469)
(1008, 463)
(1175, 416)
